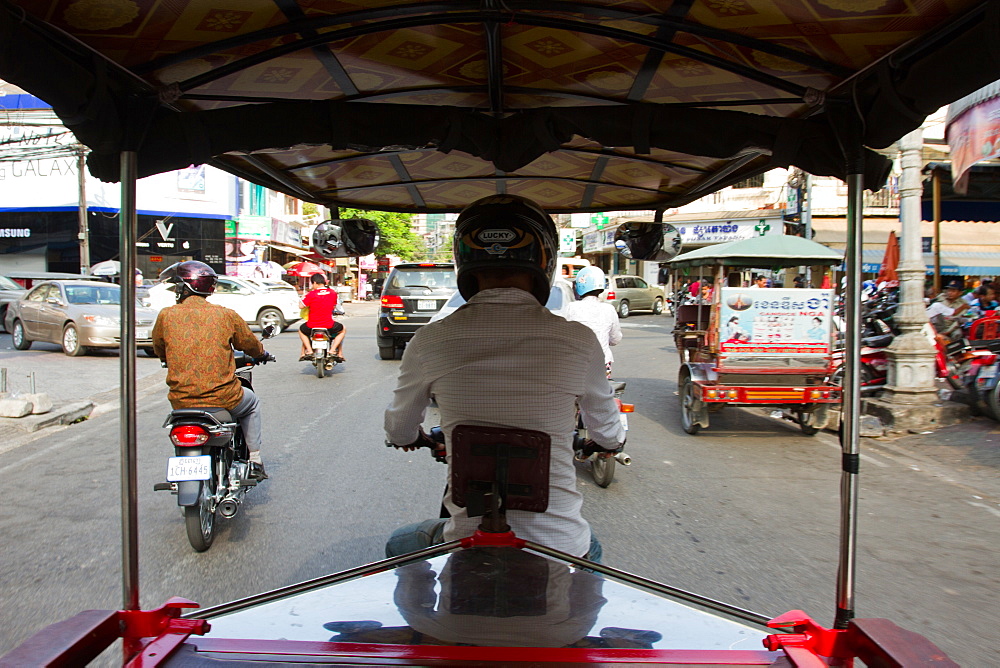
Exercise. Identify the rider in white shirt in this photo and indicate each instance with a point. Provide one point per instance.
(600, 316)
(504, 360)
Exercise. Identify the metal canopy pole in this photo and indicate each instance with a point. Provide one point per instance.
(129, 476)
(851, 413)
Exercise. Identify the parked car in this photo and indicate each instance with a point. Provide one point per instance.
(9, 292)
(255, 303)
(411, 295)
(77, 315)
(632, 293)
(271, 284)
(560, 295)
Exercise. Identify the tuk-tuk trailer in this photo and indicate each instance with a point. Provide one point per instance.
(749, 346)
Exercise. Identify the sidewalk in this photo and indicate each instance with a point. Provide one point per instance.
(968, 452)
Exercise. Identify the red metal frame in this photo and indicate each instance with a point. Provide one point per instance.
(152, 636)
(765, 395)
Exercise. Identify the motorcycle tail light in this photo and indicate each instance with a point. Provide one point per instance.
(392, 301)
(319, 336)
(611, 295)
(626, 408)
(188, 435)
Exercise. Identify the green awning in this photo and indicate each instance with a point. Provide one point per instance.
(774, 252)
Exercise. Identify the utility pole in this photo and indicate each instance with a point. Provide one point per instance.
(84, 228)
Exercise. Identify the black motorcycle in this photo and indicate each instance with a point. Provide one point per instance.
(210, 470)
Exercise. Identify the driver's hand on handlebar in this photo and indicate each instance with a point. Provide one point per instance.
(265, 358)
(423, 441)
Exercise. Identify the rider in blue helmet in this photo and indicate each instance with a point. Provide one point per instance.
(592, 312)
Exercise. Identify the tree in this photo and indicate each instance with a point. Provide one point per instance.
(395, 235)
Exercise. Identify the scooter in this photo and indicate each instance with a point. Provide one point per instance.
(210, 470)
(322, 359)
(602, 462)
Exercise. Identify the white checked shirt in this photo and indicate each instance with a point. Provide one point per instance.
(503, 360)
(601, 317)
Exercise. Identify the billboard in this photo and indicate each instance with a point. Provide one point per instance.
(775, 321)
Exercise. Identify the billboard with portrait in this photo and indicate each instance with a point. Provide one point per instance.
(775, 321)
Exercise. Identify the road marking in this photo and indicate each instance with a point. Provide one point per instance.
(990, 509)
(835, 443)
(45, 451)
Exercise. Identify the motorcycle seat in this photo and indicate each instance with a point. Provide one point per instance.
(220, 414)
(618, 386)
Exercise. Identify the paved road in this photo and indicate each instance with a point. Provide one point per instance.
(745, 512)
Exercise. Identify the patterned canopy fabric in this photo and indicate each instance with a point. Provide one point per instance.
(425, 106)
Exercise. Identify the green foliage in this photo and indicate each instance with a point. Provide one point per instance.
(310, 209)
(395, 235)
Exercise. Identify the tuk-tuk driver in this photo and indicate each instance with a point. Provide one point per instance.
(504, 360)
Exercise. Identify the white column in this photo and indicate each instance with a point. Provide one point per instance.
(911, 355)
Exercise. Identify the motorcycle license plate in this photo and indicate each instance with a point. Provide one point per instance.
(624, 418)
(426, 304)
(988, 371)
(321, 345)
(142, 333)
(189, 468)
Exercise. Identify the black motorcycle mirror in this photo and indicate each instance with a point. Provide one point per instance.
(351, 237)
(655, 242)
(269, 332)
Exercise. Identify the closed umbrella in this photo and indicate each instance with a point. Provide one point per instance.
(887, 272)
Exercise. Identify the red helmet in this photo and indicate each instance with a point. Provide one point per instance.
(198, 277)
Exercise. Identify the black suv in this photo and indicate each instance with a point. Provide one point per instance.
(410, 296)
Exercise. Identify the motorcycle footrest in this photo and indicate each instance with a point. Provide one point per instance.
(164, 487)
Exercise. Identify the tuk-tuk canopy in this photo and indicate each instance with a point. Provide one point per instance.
(393, 105)
(769, 251)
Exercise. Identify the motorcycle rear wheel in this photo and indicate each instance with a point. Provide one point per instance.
(603, 470)
(320, 367)
(199, 519)
(992, 401)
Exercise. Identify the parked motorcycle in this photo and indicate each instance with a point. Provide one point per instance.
(602, 463)
(322, 358)
(210, 470)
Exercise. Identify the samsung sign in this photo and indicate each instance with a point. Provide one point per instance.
(15, 232)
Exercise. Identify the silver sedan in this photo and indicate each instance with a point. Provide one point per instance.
(77, 315)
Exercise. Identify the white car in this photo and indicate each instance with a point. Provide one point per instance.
(255, 304)
(560, 295)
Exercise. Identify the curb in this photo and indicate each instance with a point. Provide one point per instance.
(65, 414)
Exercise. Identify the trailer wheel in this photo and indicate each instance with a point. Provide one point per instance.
(689, 405)
(807, 422)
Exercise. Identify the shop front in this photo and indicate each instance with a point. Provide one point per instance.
(39, 240)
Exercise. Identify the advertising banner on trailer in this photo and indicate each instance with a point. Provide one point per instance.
(775, 321)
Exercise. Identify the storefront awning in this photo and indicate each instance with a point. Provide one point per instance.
(953, 263)
(301, 252)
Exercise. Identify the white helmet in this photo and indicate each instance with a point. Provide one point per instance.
(589, 279)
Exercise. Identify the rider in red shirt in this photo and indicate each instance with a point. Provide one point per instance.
(321, 301)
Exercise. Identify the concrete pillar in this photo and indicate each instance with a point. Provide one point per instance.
(911, 356)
